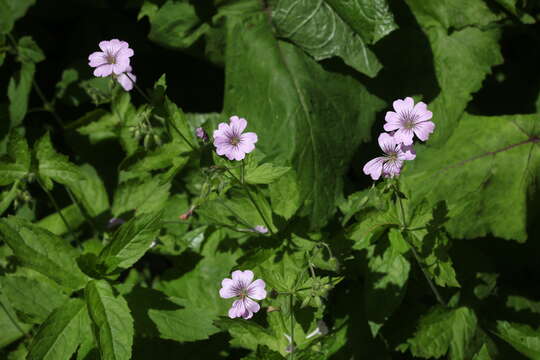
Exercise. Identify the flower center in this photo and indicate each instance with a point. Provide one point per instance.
(235, 140)
(243, 293)
(111, 59)
(408, 119)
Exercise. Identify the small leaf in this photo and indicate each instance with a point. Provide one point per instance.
(131, 241)
(29, 51)
(18, 92)
(522, 338)
(112, 321)
(62, 332)
(266, 173)
(42, 251)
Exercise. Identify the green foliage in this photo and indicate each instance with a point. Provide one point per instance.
(112, 323)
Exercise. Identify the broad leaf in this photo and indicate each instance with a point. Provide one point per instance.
(42, 251)
(294, 123)
(29, 51)
(10, 11)
(146, 195)
(285, 195)
(131, 241)
(12, 328)
(111, 320)
(266, 173)
(19, 158)
(492, 161)
(62, 332)
(522, 338)
(462, 58)
(322, 32)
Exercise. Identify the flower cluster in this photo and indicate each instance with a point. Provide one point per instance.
(243, 287)
(114, 60)
(402, 125)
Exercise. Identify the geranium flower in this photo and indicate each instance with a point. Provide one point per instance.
(245, 289)
(409, 120)
(390, 164)
(127, 79)
(112, 59)
(201, 134)
(231, 142)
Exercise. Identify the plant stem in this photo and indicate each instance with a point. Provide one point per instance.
(83, 211)
(291, 355)
(242, 172)
(51, 198)
(139, 89)
(179, 133)
(413, 250)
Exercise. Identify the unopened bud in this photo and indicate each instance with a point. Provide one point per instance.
(201, 134)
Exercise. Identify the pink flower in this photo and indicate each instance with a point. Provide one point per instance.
(260, 229)
(409, 120)
(112, 59)
(245, 289)
(127, 79)
(201, 134)
(229, 140)
(390, 164)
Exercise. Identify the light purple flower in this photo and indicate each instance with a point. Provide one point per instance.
(245, 289)
(409, 120)
(260, 229)
(127, 79)
(201, 134)
(229, 140)
(112, 59)
(390, 164)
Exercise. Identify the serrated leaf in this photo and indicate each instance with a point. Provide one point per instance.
(54, 166)
(34, 297)
(33, 246)
(483, 354)
(131, 241)
(29, 51)
(322, 32)
(444, 330)
(145, 195)
(18, 92)
(248, 334)
(112, 321)
(386, 281)
(69, 76)
(266, 173)
(294, 124)
(519, 303)
(462, 58)
(62, 332)
(522, 338)
(19, 156)
(285, 195)
(190, 324)
(493, 161)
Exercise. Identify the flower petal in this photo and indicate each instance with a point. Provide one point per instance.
(222, 130)
(403, 105)
(404, 136)
(236, 154)
(406, 152)
(249, 137)
(392, 168)
(387, 143)
(393, 121)
(237, 309)
(246, 147)
(423, 129)
(256, 290)
(374, 167)
(225, 149)
(124, 52)
(228, 289)
(244, 277)
(238, 125)
(125, 81)
(251, 306)
(97, 59)
(103, 70)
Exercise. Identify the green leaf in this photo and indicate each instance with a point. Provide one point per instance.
(386, 281)
(18, 92)
(322, 32)
(42, 251)
(294, 126)
(462, 58)
(62, 332)
(12, 328)
(10, 11)
(519, 303)
(492, 161)
(55, 166)
(483, 354)
(522, 338)
(285, 195)
(443, 330)
(189, 324)
(19, 159)
(29, 51)
(35, 297)
(69, 76)
(90, 191)
(112, 321)
(264, 353)
(131, 241)
(146, 195)
(248, 334)
(266, 173)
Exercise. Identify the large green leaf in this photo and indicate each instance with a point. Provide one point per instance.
(322, 32)
(146, 194)
(54, 166)
(462, 58)
(18, 92)
(522, 337)
(293, 123)
(10, 11)
(443, 330)
(42, 251)
(492, 161)
(62, 332)
(112, 321)
(131, 241)
(12, 328)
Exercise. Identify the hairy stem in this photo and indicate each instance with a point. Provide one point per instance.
(51, 198)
